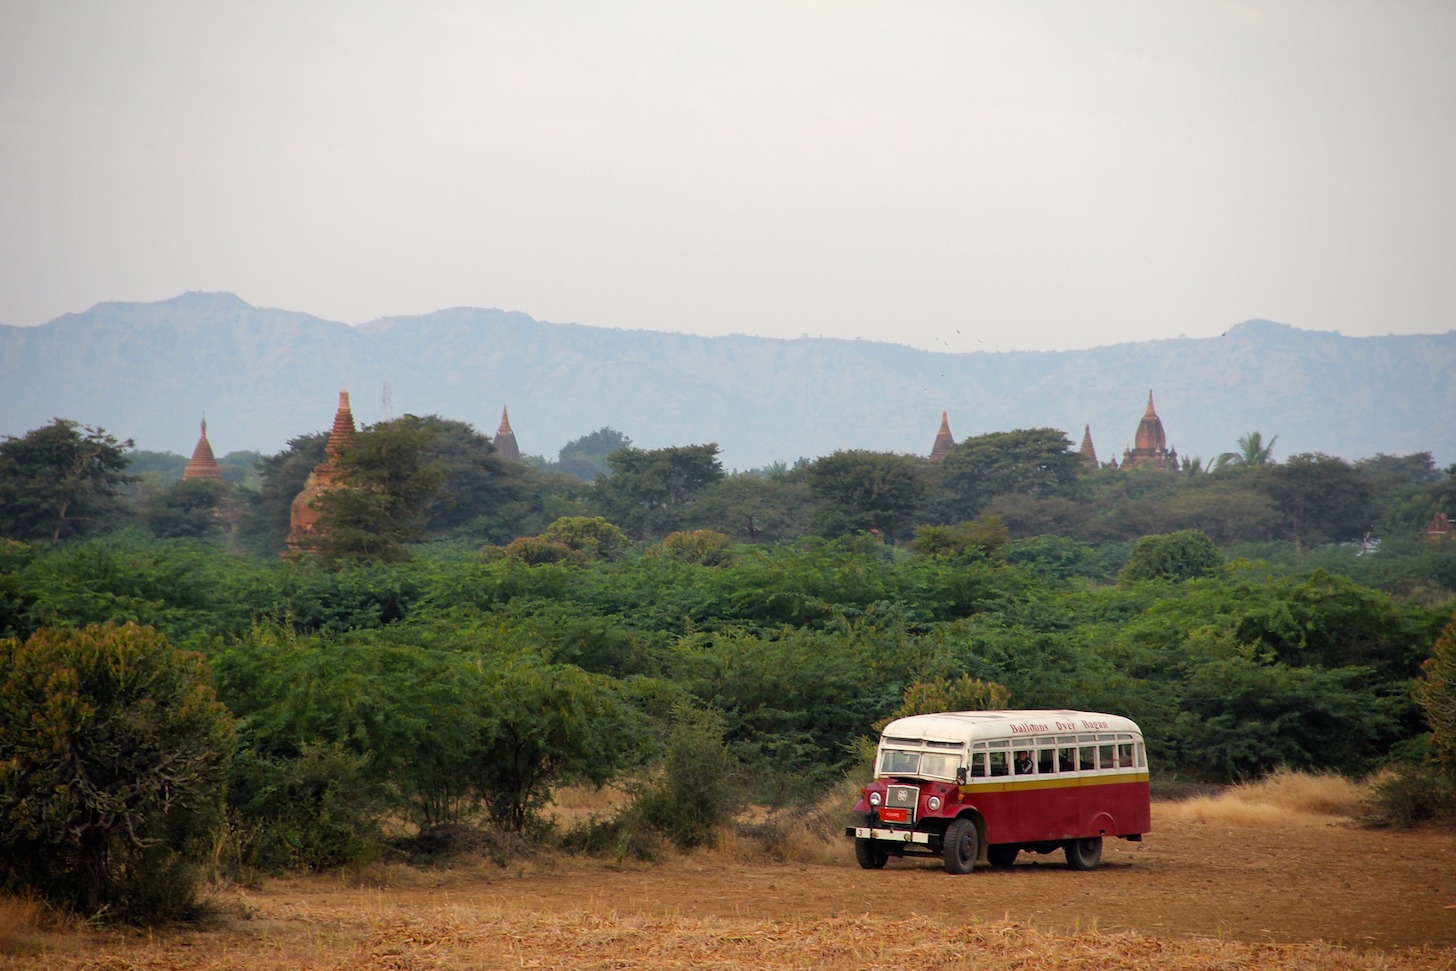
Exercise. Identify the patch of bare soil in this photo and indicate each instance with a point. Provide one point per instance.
(1308, 893)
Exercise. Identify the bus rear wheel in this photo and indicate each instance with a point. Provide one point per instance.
(1002, 854)
(1084, 854)
(962, 846)
(871, 855)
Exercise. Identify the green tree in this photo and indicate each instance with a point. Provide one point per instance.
(113, 755)
(1184, 555)
(1253, 452)
(648, 492)
(1435, 692)
(1035, 462)
(1320, 499)
(754, 508)
(592, 535)
(986, 535)
(963, 694)
(390, 479)
(870, 492)
(60, 481)
(585, 458)
(547, 724)
(191, 508)
(476, 484)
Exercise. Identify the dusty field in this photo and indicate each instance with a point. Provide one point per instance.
(1200, 892)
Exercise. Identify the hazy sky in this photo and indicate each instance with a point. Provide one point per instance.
(954, 176)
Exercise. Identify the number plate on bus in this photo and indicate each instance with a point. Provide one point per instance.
(895, 815)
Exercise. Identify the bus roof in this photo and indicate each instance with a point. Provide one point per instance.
(966, 726)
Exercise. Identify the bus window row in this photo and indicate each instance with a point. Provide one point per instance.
(1050, 756)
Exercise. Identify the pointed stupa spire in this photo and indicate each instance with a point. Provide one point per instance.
(203, 464)
(505, 439)
(342, 433)
(944, 441)
(1087, 451)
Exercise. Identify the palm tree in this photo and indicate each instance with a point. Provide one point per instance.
(1252, 451)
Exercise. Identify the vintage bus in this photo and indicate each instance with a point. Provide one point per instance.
(981, 786)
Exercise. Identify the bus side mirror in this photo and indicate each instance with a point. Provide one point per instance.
(961, 776)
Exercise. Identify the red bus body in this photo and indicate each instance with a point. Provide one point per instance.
(1037, 781)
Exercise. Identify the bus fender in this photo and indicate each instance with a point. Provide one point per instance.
(1102, 825)
(980, 822)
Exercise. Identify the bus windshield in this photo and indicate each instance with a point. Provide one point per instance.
(924, 764)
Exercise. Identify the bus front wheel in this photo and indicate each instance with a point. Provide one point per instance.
(871, 855)
(962, 846)
(1084, 854)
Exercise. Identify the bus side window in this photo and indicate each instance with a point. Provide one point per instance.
(999, 765)
(1142, 762)
(1067, 759)
(1124, 755)
(1088, 755)
(1105, 760)
(1046, 760)
(978, 765)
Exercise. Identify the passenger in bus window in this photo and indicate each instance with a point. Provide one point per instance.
(1023, 763)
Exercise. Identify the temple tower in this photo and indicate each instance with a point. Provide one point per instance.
(1150, 446)
(944, 442)
(202, 464)
(1087, 452)
(505, 439)
(303, 515)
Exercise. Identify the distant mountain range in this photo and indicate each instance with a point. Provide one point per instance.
(149, 371)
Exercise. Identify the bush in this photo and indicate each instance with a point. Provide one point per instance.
(1411, 794)
(1184, 555)
(696, 789)
(113, 754)
(313, 812)
(703, 546)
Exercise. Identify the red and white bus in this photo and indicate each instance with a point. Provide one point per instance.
(981, 786)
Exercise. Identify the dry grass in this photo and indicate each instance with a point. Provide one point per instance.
(27, 925)
(573, 806)
(1284, 797)
(380, 935)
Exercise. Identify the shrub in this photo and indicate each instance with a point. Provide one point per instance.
(536, 550)
(313, 812)
(1435, 692)
(592, 535)
(703, 546)
(1409, 795)
(113, 754)
(1174, 556)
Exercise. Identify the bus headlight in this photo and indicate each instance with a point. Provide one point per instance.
(933, 804)
(874, 799)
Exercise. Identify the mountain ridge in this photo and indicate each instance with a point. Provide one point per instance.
(263, 375)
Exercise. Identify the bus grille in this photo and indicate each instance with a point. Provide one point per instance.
(902, 797)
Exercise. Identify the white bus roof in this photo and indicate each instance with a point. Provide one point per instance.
(966, 726)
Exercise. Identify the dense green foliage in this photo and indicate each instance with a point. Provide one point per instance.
(711, 638)
(60, 481)
(113, 751)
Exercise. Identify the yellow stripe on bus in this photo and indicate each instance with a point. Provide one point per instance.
(1051, 782)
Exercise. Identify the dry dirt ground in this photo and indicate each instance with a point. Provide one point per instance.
(1309, 893)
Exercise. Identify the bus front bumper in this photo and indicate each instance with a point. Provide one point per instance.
(887, 835)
